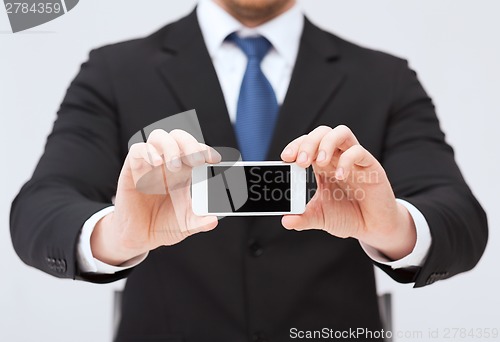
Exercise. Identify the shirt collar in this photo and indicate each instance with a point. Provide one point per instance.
(283, 32)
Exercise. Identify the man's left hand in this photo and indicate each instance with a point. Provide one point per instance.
(354, 197)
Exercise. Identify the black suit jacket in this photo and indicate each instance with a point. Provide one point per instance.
(249, 279)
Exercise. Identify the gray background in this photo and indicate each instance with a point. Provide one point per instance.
(453, 44)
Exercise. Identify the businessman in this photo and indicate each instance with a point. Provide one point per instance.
(265, 80)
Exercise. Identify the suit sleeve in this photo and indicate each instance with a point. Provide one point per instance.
(422, 170)
(75, 177)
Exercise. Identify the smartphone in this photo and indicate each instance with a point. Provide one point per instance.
(248, 189)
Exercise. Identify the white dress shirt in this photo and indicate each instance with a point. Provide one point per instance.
(284, 33)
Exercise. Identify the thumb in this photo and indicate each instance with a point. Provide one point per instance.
(304, 221)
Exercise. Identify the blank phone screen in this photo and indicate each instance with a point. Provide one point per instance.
(249, 188)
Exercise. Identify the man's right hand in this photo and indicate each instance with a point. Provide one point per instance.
(153, 201)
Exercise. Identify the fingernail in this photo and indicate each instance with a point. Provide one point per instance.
(157, 160)
(289, 152)
(339, 174)
(302, 157)
(321, 156)
(216, 155)
(176, 162)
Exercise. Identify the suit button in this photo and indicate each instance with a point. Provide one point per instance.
(51, 263)
(442, 275)
(431, 279)
(255, 248)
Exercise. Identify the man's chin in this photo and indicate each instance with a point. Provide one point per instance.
(257, 9)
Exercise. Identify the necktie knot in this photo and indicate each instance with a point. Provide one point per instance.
(253, 47)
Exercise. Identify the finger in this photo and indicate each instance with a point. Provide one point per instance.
(304, 221)
(355, 156)
(295, 222)
(204, 224)
(143, 160)
(211, 154)
(308, 149)
(198, 225)
(308, 220)
(340, 138)
(192, 152)
(168, 147)
(289, 153)
(143, 155)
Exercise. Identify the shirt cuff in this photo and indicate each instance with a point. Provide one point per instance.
(419, 254)
(86, 261)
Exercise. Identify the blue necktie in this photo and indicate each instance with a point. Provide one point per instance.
(257, 105)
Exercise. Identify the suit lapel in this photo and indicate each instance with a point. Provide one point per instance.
(315, 79)
(190, 75)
